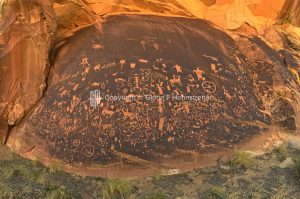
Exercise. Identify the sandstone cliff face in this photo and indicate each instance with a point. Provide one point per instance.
(290, 12)
(242, 61)
(27, 30)
(229, 14)
(170, 7)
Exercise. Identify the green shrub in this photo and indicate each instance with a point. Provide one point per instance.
(218, 192)
(282, 151)
(242, 159)
(116, 189)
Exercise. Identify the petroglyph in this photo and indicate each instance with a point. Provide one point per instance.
(88, 150)
(209, 87)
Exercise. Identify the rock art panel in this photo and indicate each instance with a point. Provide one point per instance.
(144, 87)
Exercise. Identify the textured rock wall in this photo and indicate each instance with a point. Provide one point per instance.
(291, 12)
(228, 14)
(27, 31)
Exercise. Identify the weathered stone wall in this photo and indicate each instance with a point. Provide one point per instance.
(290, 13)
(27, 32)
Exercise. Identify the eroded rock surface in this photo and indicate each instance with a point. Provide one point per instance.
(283, 113)
(290, 12)
(27, 32)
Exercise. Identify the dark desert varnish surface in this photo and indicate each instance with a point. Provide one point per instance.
(143, 55)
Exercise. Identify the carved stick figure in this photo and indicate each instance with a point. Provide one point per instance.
(84, 61)
(136, 82)
(122, 62)
(213, 68)
(159, 88)
(199, 74)
(178, 68)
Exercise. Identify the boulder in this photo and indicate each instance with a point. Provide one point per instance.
(288, 162)
(159, 60)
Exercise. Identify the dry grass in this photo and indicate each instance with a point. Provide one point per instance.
(116, 189)
(155, 195)
(282, 151)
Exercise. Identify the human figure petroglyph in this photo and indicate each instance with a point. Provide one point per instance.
(199, 74)
(178, 68)
(84, 61)
(159, 88)
(122, 62)
(136, 82)
(215, 68)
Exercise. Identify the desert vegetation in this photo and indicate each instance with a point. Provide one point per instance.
(274, 174)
